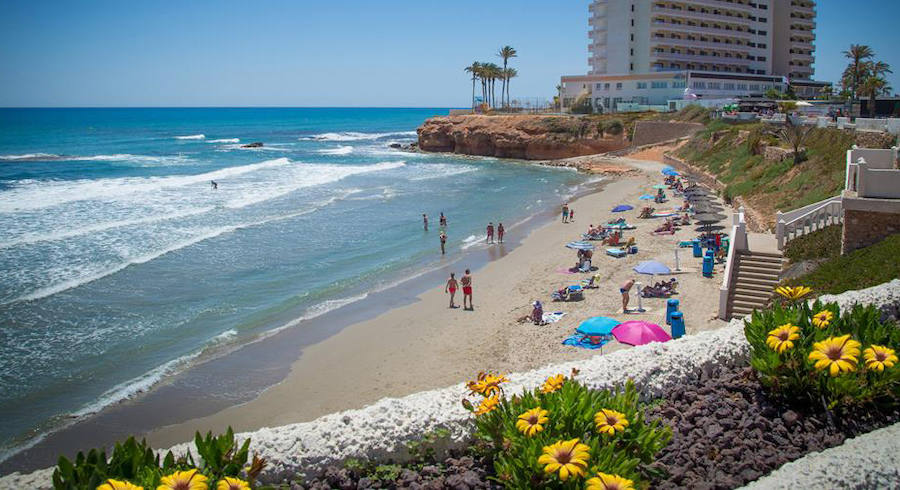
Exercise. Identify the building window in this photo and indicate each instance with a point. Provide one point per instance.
(729, 86)
(632, 37)
(742, 86)
(754, 87)
(761, 45)
(605, 86)
(642, 85)
(714, 85)
(619, 86)
(677, 84)
(761, 58)
(632, 51)
(631, 66)
(632, 22)
(659, 84)
(761, 33)
(698, 85)
(599, 86)
(762, 19)
(632, 7)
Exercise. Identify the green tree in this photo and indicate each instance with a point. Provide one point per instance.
(794, 134)
(857, 70)
(872, 87)
(506, 52)
(474, 69)
(509, 74)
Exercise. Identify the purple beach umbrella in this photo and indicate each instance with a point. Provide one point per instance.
(637, 332)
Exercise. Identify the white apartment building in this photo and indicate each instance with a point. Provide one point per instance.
(650, 51)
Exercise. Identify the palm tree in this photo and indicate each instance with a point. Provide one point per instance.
(874, 86)
(794, 133)
(506, 52)
(491, 73)
(855, 72)
(508, 74)
(474, 68)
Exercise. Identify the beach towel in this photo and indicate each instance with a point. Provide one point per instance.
(664, 215)
(621, 226)
(553, 317)
(615, 252)
(583, 341)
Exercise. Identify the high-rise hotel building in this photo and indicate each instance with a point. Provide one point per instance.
(714, 48)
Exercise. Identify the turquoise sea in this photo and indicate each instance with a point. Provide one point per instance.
(121, 265)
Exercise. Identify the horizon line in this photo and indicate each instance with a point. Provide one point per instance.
(230, 107)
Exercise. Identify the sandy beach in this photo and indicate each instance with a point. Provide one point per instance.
(426, 345)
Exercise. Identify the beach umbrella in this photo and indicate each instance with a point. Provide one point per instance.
(622, 207)
(698, 192)
(697, 198)
(670, 172)
(709, 228)
(709, 217)
(652, 267)
(580, 246)
(660, 186)
(637, 332)
(598, 325)
(647, 197)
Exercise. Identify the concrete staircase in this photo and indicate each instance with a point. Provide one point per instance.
(756, 276)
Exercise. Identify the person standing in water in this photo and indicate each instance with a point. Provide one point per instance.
(451, 288)
(490, 233)
(214, 184)
(443, 242)
(466, 282)
(425, 221)
(443, 220)
(500, 232)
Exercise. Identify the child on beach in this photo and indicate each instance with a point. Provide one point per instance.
(490, 233)
(500, 232)
(466, 282)
(572, 215)
(624, 290)
(451, 288)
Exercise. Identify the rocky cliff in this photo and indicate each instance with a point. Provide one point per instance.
(529, 137)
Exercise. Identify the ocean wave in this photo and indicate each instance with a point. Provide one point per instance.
(225, 140)
(472, 240)
(116, 157)
(35, 157)
(191, 137)
(441, 171)
(341, 150)
(355, 136)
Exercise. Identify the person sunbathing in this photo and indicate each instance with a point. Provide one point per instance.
(561, 294)
(537, 313)
(613, 239)
(647, 212)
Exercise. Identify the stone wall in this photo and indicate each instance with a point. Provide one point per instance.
(875, 139)
(647, 132)
(863, 228)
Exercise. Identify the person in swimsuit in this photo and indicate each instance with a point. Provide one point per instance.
(466, 282)
(565, 213)
(443, 220)
(425, 220)
(490, 233)
(443, 242)
(451, 288)
(624, 290)
(500, 232)
(572, 215)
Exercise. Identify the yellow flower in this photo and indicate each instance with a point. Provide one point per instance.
(822, 318)
(183, 480)
(604, 481)
(783, 337)
(488, 405)
(838, 354)
(553, 383)
(531, 422)
(118, 485)
(793, 293)
(567, 457)
(610, 421)
(486, 384)
(232, 484)
(879, 357)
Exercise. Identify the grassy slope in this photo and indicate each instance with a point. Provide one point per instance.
(860, 269)
(820, 244)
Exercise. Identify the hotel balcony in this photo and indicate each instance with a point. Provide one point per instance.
(808, 11)
(687, 14)
(808, 58)
(799, 21)
(723, 4)
(802, 34)
(657, 24)
(807, 45)
(697, 58)
(717, 45)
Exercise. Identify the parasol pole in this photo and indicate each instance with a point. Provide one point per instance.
(640, 307)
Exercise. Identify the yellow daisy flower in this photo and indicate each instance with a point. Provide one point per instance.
(553, 383)
(605, 481)
(229, 483)
(838, 354)
(531, 422)
(569, 458)
(610, 421)
(486, 384)
(783, 337)
(793, 293)
(118, 485)
(879, 357)
(823, 318)
(487, 405)
(183, 480)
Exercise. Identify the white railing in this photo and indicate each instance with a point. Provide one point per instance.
(807, 219)
(736, 244)
(875, 158)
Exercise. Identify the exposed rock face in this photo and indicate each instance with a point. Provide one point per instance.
(528, 137)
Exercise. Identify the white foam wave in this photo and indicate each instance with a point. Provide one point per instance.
(224, 336)
(355, 136)
(191, 137)
(29, 156)
(441, 171)
(116, 157)
(472, 240)
(341, 150)
(225, 140)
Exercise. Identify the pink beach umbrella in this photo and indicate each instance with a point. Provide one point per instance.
(636, 332)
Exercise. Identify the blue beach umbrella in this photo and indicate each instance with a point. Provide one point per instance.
(652, 267)
(670, 171)
(622, 207)
(598, 325)
(580, 245)
(647, 197)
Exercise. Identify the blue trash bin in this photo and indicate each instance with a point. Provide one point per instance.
(708, 266)
(677, 325)
(671, 307)
(698, 252)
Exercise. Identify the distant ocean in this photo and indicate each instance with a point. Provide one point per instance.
(120, 265)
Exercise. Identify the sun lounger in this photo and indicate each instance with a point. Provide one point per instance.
(576, 292)
(616, 252)
(622, 226)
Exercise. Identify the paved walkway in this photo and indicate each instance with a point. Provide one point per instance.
(762, 242)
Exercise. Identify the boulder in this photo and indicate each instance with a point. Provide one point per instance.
(255, 144)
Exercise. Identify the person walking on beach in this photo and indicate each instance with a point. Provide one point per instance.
(500, 232)
(443, 242)
(466, 282)
(451, 288)
(490, 233)
(565, 213)
(624, 290)
(443, 222)
(425, 221)
(571, 215)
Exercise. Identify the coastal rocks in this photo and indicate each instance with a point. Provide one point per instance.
(528, 137)
(255, 144)
(402, 147)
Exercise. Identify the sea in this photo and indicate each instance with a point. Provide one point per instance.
(121, 264)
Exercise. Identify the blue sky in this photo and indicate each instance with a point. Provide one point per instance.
(326, 53)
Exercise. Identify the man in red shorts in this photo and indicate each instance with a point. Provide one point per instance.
(466, 282)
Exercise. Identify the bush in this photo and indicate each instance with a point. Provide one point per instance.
(596, 433)
(614, 127)
(820, 244)
(859, 269)
(136, 462)
(815, 356)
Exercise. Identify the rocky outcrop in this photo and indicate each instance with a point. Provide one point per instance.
(255, 144)
(528, 137)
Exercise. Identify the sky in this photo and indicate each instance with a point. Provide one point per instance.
(381, 53)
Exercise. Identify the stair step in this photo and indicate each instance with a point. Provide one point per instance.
(756, 293)
(761, 258)
(762, 263)
(751, 276)
(766, 282)
(762, 254)
(759, 269)
(755, 287)
(748, 305)
(737, 311)
(749, 300)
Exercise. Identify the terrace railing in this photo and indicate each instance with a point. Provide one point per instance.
(737, 243)
(807, 219)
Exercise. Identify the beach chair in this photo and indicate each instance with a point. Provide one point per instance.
(616, 252)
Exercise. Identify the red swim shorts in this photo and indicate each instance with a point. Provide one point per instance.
(467, 289)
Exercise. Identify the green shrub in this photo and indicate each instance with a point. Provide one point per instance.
(859, 269)
(518, 431)
(820, 244)
(614, 127)
(785, 342)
